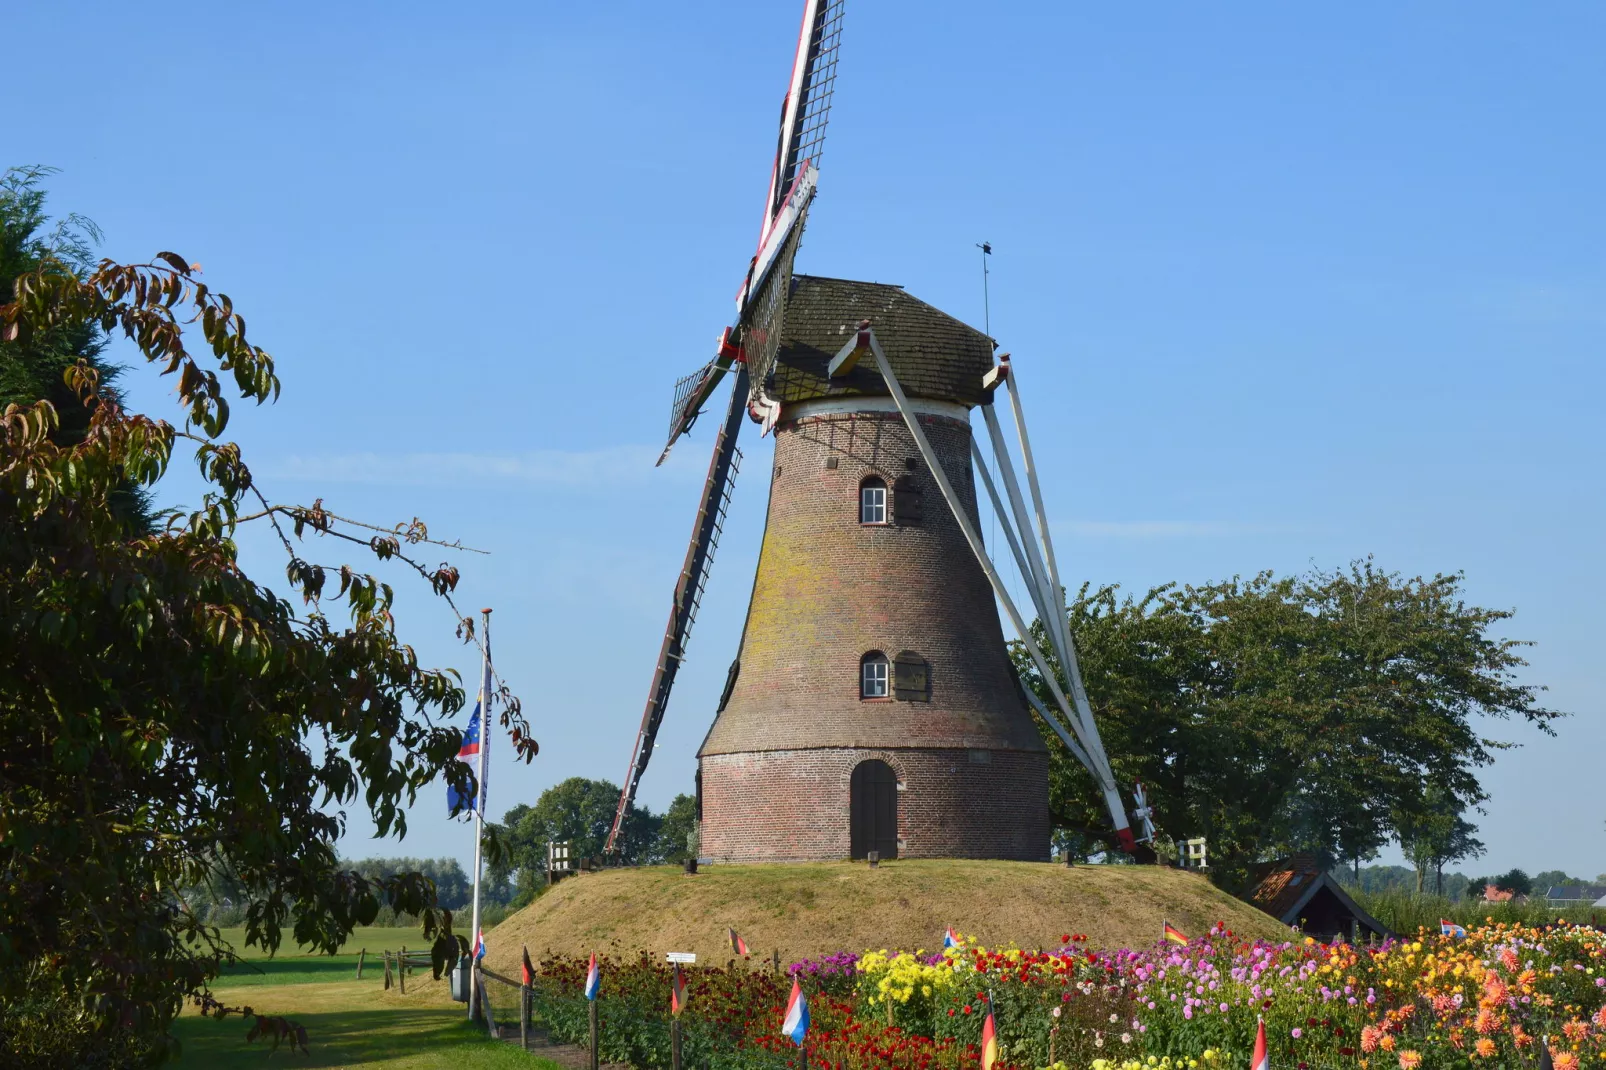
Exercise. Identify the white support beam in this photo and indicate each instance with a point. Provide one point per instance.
(1059, 730)
(1042, 613)
(1073, 670)
(1112, 797)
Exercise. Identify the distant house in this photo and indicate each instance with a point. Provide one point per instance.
(1576, 895)
(1300, 893)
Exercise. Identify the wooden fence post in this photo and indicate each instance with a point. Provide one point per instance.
(596, 1038)
(674, 1043)
(776, 959)
(524, 1017)
(360, 956)
(490, 1014)
(401, 969)
(386, 955)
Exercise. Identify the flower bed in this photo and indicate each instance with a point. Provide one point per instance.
(1433, 1002)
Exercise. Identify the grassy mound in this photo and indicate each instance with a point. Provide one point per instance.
(809, 909)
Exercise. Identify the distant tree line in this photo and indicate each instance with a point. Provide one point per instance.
(1374, 880)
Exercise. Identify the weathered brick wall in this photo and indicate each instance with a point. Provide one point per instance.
(828, 590)
(784, 806)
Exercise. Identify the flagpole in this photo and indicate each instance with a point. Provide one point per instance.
(479, 808)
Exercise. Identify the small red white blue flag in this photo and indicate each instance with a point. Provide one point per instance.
(796, 1023)
(1450, 928)
(951, 938)
(593, 978)
(479, 944)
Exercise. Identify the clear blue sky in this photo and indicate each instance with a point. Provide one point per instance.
(1285, 287)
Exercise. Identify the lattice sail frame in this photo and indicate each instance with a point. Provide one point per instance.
(802, 135)
(766, 316)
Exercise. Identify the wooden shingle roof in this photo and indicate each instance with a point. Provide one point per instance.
(1285, 887)
(932, 354)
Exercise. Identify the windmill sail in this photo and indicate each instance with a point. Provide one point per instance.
(793, 174)
(750, 347)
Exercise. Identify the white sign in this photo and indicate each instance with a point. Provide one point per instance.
(684, 957)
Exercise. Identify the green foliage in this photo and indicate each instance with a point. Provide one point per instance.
(678, 831)
(166, 718)
(579, 812)
(36, 368)
(1272, 715)
(1378, 879)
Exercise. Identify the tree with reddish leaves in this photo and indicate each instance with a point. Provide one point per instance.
(165, 718)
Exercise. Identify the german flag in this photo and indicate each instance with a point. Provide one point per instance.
(738, 945)
(1172, 933)
(989, 1040)
(677, 992)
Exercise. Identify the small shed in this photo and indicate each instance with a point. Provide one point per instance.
(1301, 893)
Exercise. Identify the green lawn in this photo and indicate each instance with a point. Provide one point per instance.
(349, 1023)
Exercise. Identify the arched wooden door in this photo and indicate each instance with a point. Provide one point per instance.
(873, 810)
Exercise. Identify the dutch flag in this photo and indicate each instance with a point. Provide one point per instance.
(951, 938)
(1450, 928)
(796, 1023)
(593, 978)
(479, 945)
(1260, 1060)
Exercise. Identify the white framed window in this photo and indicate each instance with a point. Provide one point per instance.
(873, 501)
(874, 676)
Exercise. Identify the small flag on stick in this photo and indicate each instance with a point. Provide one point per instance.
(989, 1039)
(1450, 928)
(1260, 1060)
(1172, 933)
(528, 968)
(951, 938)
(795, 1025)
(738, 945)
(677, 992)
(593, 978)
(479, 944)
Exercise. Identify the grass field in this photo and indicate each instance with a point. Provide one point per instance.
(350, 1023)
(806, 909)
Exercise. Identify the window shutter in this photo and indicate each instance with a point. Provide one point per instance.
(908, 500)
(911, 678)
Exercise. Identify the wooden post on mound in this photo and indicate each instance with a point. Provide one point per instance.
(360, 956)
(776, 959)
(401, 969)
(385, 955)
(596, 1037)
(674, 1043)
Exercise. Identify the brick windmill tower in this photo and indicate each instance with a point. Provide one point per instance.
(872, 705)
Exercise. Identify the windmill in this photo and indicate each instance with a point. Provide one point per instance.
(933, 751)
(747, 346)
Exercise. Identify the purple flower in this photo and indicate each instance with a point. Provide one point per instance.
(1296, 1032)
